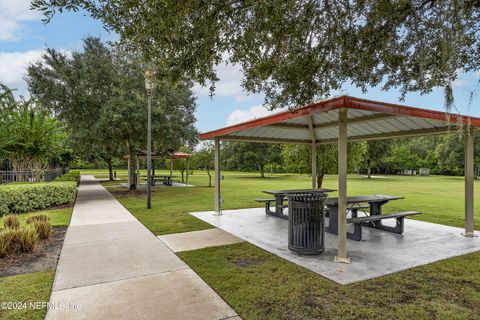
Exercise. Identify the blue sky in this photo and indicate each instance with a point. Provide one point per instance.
(23, 37)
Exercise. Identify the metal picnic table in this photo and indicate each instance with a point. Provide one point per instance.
(280, 196)
(167, 179)
(375, 203)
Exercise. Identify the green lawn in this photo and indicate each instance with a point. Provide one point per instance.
(32, 287)
(58, 217)
(259, 285)
(439, 198)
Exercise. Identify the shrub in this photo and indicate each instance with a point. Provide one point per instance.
(73, 175)
(5, 242)
(38, 218)
(18, 198)
(11, 222)
(19, 240)
(44, 229)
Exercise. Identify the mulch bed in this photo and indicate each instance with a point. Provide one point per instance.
(43, 258)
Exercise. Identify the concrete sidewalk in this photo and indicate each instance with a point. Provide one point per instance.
(112, 267)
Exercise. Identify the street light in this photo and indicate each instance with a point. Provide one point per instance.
(149, 86)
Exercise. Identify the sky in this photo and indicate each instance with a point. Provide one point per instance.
(23, 38)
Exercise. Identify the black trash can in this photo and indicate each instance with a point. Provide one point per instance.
(306, 223)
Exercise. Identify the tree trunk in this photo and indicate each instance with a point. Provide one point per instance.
(320, 180)
(209, 179)
(262, 172)
(182, 171)
(153, 167)
(133, 175)
(369, 169)
(110, 169)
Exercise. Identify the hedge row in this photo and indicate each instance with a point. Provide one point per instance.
(73, 175)
(17, 198)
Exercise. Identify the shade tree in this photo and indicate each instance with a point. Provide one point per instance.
(298, 50)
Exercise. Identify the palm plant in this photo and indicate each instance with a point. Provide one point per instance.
(29, 136)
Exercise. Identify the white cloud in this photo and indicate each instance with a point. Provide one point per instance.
(229, 85)
(12, 14)
(241, 115)
(13, 68)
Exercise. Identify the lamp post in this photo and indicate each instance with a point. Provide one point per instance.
(149, 86)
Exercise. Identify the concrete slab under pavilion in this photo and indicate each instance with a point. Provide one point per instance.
(345, 119)
(379, 253)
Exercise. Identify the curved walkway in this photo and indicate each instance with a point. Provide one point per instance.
(112, 267)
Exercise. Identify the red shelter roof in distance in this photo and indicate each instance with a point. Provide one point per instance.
(180, 155)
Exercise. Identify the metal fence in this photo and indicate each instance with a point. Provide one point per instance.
(29, 176)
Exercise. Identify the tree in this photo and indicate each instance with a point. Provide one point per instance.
(297, 158)
(30, 137)
(204, 159)
(100, 94)
(250, 156)
(298, 50)
(77, 89)
(375, 153)
(401, 159)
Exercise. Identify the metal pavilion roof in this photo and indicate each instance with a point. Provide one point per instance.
(367, 120)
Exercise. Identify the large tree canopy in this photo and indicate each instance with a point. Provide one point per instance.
(298, 50)
(99, 92)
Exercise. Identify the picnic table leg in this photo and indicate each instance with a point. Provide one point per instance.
(332, 220)
(279, 205)
(376, 209)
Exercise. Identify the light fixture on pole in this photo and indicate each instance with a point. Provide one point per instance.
(149, 86)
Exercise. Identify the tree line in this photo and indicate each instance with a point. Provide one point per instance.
(442, 155)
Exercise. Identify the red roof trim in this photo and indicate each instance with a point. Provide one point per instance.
(343, 102)
(310, 109)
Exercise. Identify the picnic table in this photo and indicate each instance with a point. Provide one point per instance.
(166, 179)
(280, 197)
(373, 218)
(371, 205)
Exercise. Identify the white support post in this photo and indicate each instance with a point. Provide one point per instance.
(186, 174)
(218, 208)
(342, 187)
(314, 152)
(469, 172)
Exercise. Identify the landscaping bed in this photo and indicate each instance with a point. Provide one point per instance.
(44, 257)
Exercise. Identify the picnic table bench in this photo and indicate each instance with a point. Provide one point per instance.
(374, 220)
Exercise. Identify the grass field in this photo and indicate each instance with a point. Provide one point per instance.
(440, 198)
(259, 285)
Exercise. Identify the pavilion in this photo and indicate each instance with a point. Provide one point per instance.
(155, 156)
(345, 119)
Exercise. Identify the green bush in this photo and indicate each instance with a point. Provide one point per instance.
(73, 175)
(11, 222)
(17, 198)
(44, 229)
